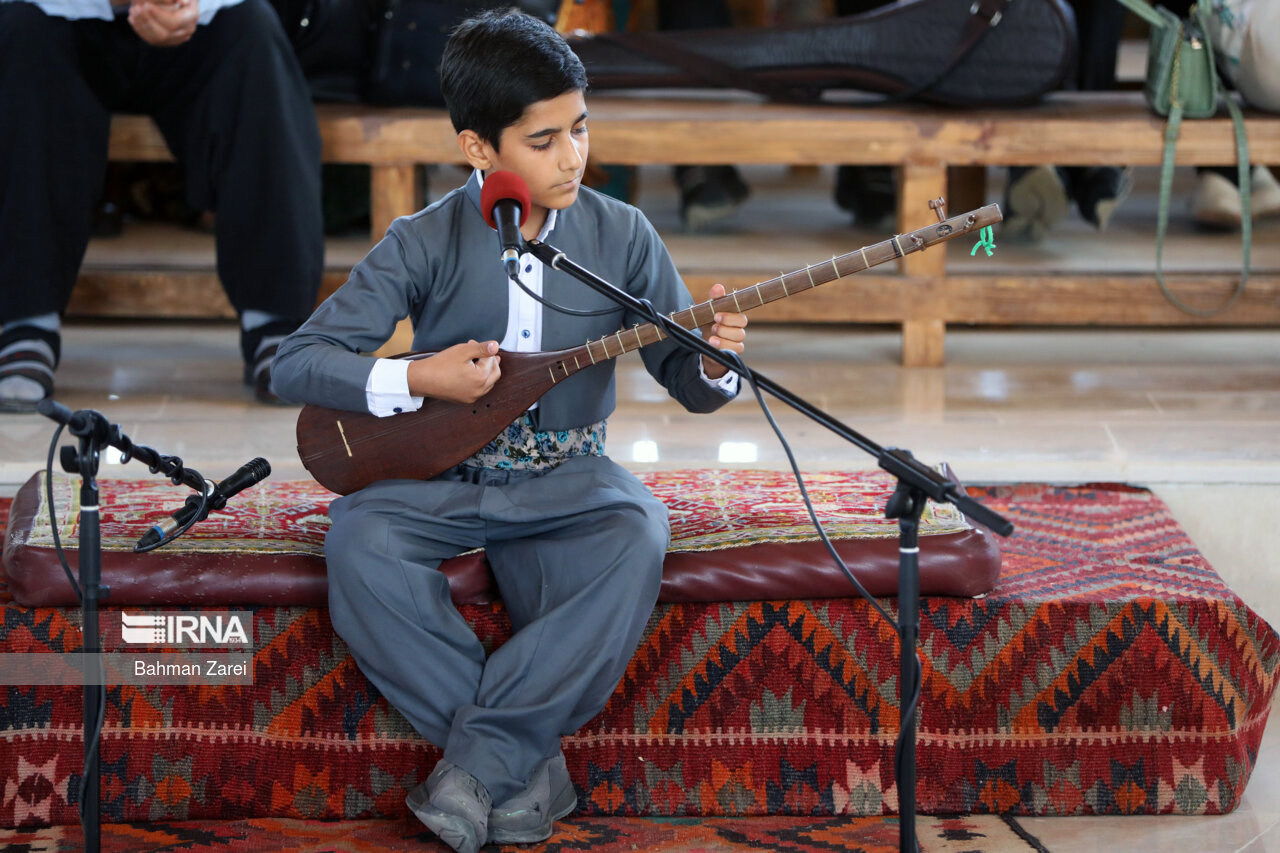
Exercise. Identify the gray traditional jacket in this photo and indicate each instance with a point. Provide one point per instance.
(440, 266)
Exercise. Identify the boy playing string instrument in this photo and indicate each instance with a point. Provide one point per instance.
(575, 542)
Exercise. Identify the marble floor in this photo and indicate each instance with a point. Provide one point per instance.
(1193, 415)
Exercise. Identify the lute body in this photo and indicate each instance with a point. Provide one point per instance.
(346, 451)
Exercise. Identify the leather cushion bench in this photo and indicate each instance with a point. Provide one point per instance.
(736, 535)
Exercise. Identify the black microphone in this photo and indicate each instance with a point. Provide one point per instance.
(504, 201)
(252, 472)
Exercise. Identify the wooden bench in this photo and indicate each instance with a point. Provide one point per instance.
(1067, 129)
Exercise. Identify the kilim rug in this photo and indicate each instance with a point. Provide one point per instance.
(1110, 672)
(970, 834)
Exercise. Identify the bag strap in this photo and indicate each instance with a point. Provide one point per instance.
(1172, 128)
(703, 67)
(984, 15)
(1143, 10)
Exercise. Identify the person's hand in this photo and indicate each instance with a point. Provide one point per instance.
(727, 332)
(463, 373)
(164, 23)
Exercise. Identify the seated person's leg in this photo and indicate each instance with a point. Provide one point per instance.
(392, 606)
(1098, 190)
(53, 140)
(577, 553)
(1035, 200)
(707, 193)
(868, 192)
(1217, 203)
(30, 349)
(234, 105)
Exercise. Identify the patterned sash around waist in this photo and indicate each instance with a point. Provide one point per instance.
(521, 447)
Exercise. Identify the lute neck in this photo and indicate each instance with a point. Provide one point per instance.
(789, 284)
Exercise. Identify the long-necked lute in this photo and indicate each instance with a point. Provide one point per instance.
(346, 450)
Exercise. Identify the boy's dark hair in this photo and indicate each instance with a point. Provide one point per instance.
(498, 63)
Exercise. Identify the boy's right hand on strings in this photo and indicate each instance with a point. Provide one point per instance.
(463, 373)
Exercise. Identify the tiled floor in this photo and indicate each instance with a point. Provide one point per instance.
(1194, 415)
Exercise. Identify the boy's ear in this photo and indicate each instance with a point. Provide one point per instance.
(477, 152)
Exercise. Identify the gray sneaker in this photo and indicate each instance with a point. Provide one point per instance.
(526, 818)
(454, 805)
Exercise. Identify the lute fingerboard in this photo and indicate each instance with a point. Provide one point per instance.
(789, 284)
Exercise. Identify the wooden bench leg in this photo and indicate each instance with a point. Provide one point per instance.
(923, 298)
(924, 343)
(394, 193)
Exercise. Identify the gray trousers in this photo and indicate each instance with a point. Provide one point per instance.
(577, 554)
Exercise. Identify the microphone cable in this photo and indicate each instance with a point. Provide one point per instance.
(91, 749)
(201, 512)
(910, 703)
(562, 309)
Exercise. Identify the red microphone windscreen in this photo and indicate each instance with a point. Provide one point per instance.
(504, 185)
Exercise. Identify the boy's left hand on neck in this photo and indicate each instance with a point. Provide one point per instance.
(727, 332)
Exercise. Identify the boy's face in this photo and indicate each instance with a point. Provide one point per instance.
(547, 147)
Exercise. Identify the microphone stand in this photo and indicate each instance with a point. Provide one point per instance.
(916, 484)
(95, 433)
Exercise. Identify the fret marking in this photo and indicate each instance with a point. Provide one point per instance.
(809, 270)
(592, 355)
(783, 278)
(553, 375)
(864, 257)
(898, 246)
(621, 346)
(735, 302)
(343, 433)
(834, 267)
(576, 366)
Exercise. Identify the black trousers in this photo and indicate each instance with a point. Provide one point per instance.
(235, 111)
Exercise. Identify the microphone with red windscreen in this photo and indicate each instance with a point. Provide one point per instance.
(504, 201)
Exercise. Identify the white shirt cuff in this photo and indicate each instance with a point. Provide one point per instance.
(727, 383)
(387, 390)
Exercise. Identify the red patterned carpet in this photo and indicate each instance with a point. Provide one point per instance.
(1110, 672)
(975, 834)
